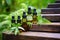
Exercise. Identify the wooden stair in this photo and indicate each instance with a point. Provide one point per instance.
(51, 27)
(47, 31)
(57, 1)
(54, 5)
(32, 36)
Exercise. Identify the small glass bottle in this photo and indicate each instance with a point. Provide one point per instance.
(13, 21)
(34, 17)
(19, 20)
(29, 15)
(24, 22)
(19, 23)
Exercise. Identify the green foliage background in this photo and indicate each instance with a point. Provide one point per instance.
(16, 7)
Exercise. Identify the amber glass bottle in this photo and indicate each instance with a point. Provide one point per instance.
(34, 17)
(24, 22)
(29, 15)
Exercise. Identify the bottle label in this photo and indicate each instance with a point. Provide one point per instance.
(29, 18)
(24, 20)
(34, 16)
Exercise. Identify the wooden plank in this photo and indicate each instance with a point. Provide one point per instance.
(57, 1)
(52, 17)
(50, 11)
(54, 5)
(52, 27)
(32, 36)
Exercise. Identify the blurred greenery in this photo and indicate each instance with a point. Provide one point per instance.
(16, 7)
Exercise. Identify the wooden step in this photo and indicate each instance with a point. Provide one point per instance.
(51, 27)
(57, 1)
(31, 36)
(52, 17)
(50, 11)
(54, 5)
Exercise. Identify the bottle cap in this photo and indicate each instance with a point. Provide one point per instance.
(29, 10)
(13, 17)
(24, 14)
(34, 12)
(18, 17)
(13, 21)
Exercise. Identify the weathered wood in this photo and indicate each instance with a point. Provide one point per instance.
(54, 5)
(52, 17)
(52, 27)
(50, 11)
(57, 1)
(32, 36)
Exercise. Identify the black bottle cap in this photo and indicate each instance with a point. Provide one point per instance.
(13, 17)
(24, 15)
(34, 12)
(29, 10)
(34, 9)
(18, 17)
(13, 21)
(18, 20)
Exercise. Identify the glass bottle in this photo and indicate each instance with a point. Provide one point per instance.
(13, 21)
(24, 22)
(34, 16)
(19, 20)
(29, 15)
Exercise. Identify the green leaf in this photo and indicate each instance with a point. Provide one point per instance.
(16, 31)
(46, 21)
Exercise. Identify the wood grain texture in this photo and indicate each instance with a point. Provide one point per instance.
(50, 11)
(31, 36)
(55, 28)
(54, 5)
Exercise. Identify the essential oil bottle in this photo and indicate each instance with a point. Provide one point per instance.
(19, 20)
(34, 16)
(24, 22)
(13, 21)
(29, 15)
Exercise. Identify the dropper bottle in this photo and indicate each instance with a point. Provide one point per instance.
(13, 21)
(24, 22)
(19, 20)
(34, 16)
(29, 15)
